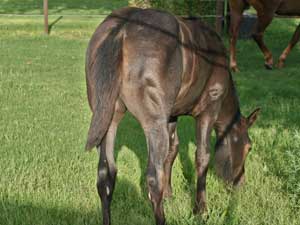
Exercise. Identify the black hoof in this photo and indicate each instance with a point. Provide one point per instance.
(268, 66)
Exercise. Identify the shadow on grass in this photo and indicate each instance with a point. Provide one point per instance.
(230, 217)
(130, 128)
(13, 212)
(131, 135)
(53, 23)
(138, 211)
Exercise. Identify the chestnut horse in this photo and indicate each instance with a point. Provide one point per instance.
(266, 10)
(159, 67)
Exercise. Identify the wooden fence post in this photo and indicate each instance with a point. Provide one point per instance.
(46, 29)
(219, 15)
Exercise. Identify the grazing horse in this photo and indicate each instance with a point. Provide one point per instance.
(266, 10)
(159, 67)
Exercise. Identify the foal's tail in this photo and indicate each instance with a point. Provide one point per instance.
(103, 71)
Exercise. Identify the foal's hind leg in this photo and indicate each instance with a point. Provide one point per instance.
(287, 51)
(157, 137)
(173, 151)
(107, 170)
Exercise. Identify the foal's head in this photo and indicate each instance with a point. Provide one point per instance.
(232, 149)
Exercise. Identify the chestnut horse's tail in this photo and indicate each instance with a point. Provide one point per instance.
(104, 74)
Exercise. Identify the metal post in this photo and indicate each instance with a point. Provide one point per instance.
(219, 15)
(225, 15)
(46, 29)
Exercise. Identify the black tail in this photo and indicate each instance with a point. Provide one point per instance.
(103, 71)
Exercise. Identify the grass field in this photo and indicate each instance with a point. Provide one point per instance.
(47, 178)
(75, 7)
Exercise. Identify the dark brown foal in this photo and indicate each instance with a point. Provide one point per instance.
(159, 67)
(266, 10)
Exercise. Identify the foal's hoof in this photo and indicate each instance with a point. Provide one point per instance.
(268, 66)
(200, 209)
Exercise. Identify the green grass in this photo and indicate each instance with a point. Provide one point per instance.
(47, 178)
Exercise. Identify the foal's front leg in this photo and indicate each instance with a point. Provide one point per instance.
(203, 131)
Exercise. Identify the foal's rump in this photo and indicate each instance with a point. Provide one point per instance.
(155, 63)
(152, 65)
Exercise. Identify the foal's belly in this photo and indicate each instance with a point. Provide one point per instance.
(289, 7)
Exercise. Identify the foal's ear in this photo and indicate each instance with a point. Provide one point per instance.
(253, 116)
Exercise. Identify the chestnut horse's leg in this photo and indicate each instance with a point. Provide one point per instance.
(157, 137)
(107, 170)
(236, 12)
(292, 43)
(173, 151)
(264, 19)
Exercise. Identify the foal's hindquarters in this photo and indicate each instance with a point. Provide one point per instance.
(151, 75)
(165, 68)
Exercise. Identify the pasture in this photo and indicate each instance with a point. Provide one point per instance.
(47, 178)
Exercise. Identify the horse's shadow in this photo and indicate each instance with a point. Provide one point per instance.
(132, 136)
(18, 212)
